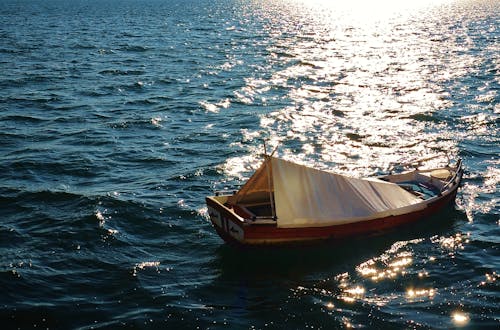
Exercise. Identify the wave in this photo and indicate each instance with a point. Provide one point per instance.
(134, 48)
(119, 72)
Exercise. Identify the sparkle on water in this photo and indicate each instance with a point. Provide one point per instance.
(392, 76)
(351, 86)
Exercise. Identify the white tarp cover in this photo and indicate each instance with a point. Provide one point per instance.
(308, 197)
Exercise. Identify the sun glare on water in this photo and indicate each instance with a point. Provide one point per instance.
(353, 76)
(459, 318)
(368, 5)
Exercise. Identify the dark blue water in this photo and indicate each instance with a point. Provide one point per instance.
(117, 118)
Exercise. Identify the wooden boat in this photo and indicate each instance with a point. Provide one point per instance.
(284, 203)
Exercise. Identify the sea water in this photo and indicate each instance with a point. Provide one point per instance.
(118, 117)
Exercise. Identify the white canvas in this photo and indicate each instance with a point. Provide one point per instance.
(309, 197)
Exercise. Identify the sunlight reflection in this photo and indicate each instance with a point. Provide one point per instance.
(460, 318)
(472, 202)
(355, 291)
(145, 265)
(489, 279)
(423, 274)
(420, 293)
(402, 262)
(392, 264)
(347, 323)
(156, 121)
(452, 243)
(359, 85)
(102, 224)
(370, 5)
(366, 10)
(239, 166)
(396, 266)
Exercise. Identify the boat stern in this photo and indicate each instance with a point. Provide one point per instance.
(228, 224)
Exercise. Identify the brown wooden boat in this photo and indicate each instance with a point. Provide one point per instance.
(284, 203)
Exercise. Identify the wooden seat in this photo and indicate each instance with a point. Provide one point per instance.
(442, 174)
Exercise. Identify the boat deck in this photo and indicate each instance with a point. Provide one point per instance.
(422, 190)
(261, 210)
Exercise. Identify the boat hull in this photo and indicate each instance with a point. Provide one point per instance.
(234, 231)
(238, 229)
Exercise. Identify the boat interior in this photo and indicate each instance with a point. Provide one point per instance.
(424, 183)
(257, 208)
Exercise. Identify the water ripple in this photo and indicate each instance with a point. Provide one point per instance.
(117, 120)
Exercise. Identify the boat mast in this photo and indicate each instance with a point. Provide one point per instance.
(268, 168)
